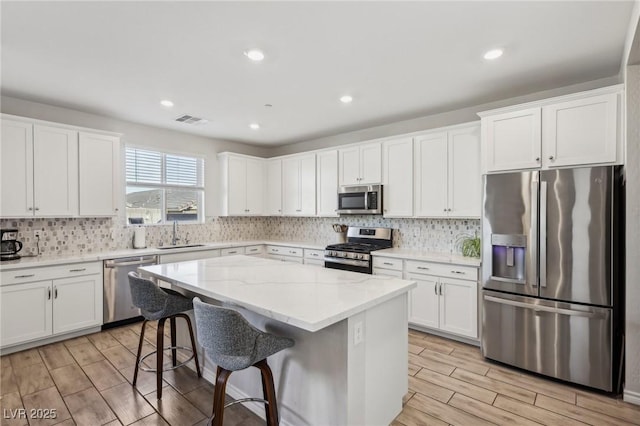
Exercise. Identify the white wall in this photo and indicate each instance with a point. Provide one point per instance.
(141, 135)
(631, 73)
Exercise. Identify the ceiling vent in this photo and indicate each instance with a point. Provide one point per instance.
(191, 120)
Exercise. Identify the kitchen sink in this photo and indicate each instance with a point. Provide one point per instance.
(182, 246)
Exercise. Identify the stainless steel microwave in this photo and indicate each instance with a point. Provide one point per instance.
(360, 199)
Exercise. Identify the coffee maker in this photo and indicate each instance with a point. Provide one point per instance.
(9, 245)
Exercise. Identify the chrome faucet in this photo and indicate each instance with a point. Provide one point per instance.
(175, 239)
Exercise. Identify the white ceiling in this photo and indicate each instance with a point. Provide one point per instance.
(399, 60)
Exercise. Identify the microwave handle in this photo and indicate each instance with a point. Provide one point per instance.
(366, 200)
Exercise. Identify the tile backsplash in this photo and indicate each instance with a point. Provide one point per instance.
(91, 235)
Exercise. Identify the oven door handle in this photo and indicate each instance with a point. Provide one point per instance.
(351, 262)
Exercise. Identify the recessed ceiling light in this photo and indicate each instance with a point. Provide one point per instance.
(346, 99)
(166, 103)
(254, 54)
(254, 126)
(493, 54)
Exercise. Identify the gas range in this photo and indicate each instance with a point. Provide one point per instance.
(355, 254)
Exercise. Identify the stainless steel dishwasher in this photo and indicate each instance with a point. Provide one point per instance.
(118, 308)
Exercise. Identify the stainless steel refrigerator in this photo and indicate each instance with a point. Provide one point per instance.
(552, 265)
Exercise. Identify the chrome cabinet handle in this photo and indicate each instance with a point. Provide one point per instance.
(232, 252)
(537, 159)
(116, 209)
(551, 157)
(24, 276)
(49, 293)
(458, 272)
(30, 208)
(387, 263)
(37, 208)
(440, 289)
(55, 292)
(78, 270)
(423, 268)
(435, 288)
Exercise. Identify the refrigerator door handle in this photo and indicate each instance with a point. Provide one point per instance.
(533, 230)
(541, 308)
(543, 234)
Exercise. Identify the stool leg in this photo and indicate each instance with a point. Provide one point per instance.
(269, 390)
(219, 393)
(193, 342)
(159, 355)
(135, 371)
(172, 322)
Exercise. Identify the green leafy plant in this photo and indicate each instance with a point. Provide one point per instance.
(471, 246)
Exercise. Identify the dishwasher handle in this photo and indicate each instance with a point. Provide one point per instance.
(150, 260)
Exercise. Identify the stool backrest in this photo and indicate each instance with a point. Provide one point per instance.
(145, 294)
(224, 331)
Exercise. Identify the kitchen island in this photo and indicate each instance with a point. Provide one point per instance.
(349, 363)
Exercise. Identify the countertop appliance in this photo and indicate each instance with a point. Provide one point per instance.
(118, 308)
(9, 245)
(355, 254)
(360, 199)
(552, 273)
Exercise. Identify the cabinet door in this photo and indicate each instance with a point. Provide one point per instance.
(424, 301)
(99, 168)
(327, 183)
(459, 307)
(512, 141)
(255, 187)
(465, 178)
(25, 313)
(55, 171)
(236, 186)
(16, 169)
(77, 303)
(431, 175)
(291, 187)
(274, 188)
(307, 185)
(349, 166)
(371, 163)
(579, 132)
(398, 178)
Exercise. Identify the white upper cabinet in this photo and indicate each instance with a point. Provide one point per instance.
(582, 131)
(574, 130)
(99, 171)
(274, 188)
(398, 177)
(242, 179)
(299, 185)
(55, 171)
(361, 165)
(327, 183)
(16, 169)
(512, 140)
(448, 181)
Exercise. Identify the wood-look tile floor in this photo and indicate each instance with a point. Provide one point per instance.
(87, 380)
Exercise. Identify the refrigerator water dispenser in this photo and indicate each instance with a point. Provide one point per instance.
(508, 257)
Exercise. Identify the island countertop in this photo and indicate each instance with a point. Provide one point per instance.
(307, 297)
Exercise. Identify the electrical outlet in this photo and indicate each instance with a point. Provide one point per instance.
(358, 333)
(37, 233)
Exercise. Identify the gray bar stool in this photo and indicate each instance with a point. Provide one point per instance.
(161, 304)
(234, 344)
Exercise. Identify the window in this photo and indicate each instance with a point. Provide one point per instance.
(163, 187)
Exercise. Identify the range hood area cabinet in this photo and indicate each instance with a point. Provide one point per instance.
(573, 130)
(299, 185)
(242, 185)
(360, 164)
(42, 165)
(397, 171)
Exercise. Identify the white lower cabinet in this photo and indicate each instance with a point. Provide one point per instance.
(64, 299)
(442, 302)
(314, 257)
(285, 254)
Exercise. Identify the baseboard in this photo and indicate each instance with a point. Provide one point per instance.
(48, 340)
(631, 397)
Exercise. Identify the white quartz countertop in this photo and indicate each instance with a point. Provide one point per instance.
(33, 262)
(304, 296)
(414, 254)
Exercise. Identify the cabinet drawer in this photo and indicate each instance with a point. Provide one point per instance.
(231, 251)
(314, 254)
(50, 272)
(249, 250)
(285, 251)
(387, 263)
(442, 270)
(285, 258)
(387, 272)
